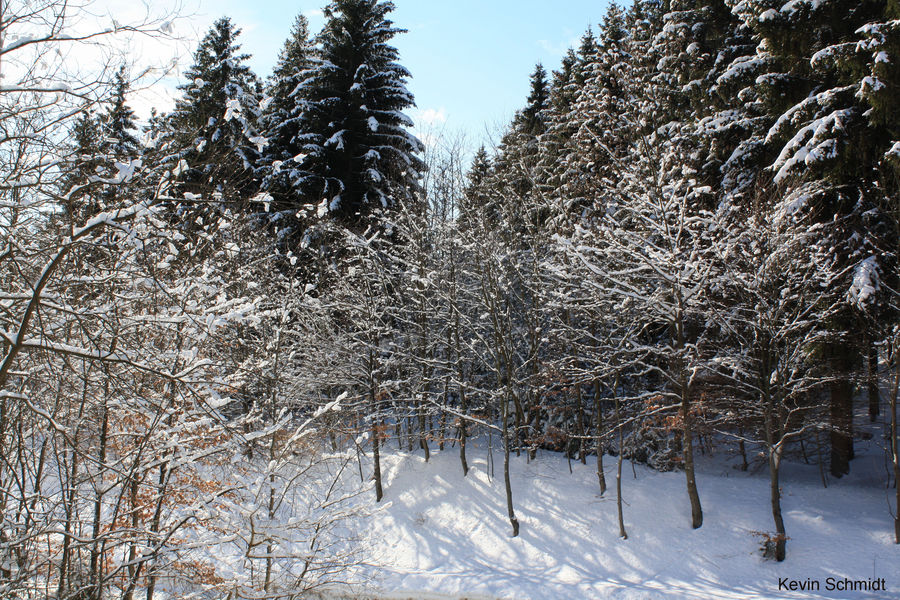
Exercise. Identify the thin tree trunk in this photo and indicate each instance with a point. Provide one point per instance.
(743, 449)
(895, 449)
(133, 566)
(841, 426)
(423, 428)
(95, 564)
(582, 455)
(622, 533)
(780, 534)
(376, 452)
(687, 423)
(874, 400)
(598, 432)
(774, 449)
(509, 500)
(463, 434)
(69, 499)
(688, 448)
(162, 484)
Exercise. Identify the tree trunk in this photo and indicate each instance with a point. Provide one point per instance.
(687, 421)
(462, 431)
(874, 400)
(598, 431)
(579, 414)
(622, 533)
(509, 500)
(780, 535)
(423, 429)
(841, 363)
(841, 426)
(376, 450)
(95, 574)
(688, 443)
(895, 449)
(376, 459)
(774, 450)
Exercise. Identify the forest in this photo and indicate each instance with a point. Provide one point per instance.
(218, 325)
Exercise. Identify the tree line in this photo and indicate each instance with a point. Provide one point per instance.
(684, 242)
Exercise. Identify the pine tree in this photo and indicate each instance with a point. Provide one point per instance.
(118, 143)
(356, 154)
(532, 117)
(119, 122)
(84, 160)
(280, 118)
(479, 174)
(214, 121)
(517, 166)
(601, 130)
(826, 144)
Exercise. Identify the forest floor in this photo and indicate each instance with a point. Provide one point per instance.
(439, 535)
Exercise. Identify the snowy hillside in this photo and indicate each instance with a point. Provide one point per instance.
(440, 535)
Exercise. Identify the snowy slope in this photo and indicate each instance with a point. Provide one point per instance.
(440, 535)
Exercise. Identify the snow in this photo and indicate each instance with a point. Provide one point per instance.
(865, 281)
(259, 141)
(894, 152)
(438, 534)
(232, 109)
(263, 198)
(336, 140)
(813, 143)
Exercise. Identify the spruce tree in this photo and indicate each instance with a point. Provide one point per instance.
(601, 131)
(357, 155)
(118, 143)
(517, 165)
(280, 119)
(532, 117)
(119, 122)
(827, 143)
(558, 149)
(214, 121)
(85, 140)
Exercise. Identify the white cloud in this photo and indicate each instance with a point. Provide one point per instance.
(428, 124)
(430, 116)
(559, 48)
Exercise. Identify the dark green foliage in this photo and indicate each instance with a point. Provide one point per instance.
(532, 117)
(86, 142)
(281, 118)
(356, 155)
(119, 122)
(213, 122)
(783, 112)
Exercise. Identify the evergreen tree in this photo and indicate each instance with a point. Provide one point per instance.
(214, 121)
(601, 130)
(532, 117)
(557, 145)
(356, 154)
(85, 139)
(280, 119)
(478, 179)
(827, 143)
(119, 122)
(118, 143)
(517, 166)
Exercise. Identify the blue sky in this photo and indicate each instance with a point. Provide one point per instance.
(470, 59)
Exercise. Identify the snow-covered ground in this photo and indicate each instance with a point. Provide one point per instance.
(438, 534)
